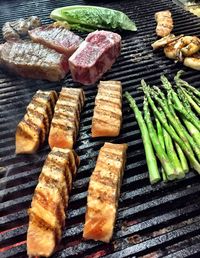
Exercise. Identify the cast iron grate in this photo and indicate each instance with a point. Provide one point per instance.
(153, 221)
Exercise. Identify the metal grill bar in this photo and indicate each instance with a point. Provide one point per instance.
(161, 220)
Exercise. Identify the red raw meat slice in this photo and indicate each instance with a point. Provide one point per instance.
(94, 56)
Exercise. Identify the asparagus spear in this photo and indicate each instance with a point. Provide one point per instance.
(172, 119)
(186, 104)
(181, 155)
(182, 158)
(191, 101)
(196, 99)
(177, 103)
(195, 147)
(194, 163)
(172, 155)
(150, 157)
(161, 154)
(185, 84)
(161, 139)
(171, 151)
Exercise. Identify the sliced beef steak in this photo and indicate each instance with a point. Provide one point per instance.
(94, 56)
(33, 60)
(58, 38)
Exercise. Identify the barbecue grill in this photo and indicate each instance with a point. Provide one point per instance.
(152, 221)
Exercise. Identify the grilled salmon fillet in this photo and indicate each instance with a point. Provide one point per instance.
(104, 191)
(31, 132)
(164, 23)
(65, 122)
(50, 200)
(107, 115)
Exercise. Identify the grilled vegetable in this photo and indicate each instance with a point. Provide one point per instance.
(90, 18)
(177, 103)
(185, 84)
(147, 91)
(168, 166)
(150, 156)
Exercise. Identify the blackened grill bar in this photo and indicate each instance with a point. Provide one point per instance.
(162, 220)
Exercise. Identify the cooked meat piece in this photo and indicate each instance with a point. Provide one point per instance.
(65, 123)
(193, 61)
(165, 41)
(94, 56)
(32, 130)
(33, 60)
(164, 23)
(50, 199)
(62, 40)
(107, 116)
(13, 30)
(104, 191)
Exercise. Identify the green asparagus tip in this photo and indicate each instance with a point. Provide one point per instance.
(179, 74)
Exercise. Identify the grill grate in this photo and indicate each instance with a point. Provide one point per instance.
(153, 221)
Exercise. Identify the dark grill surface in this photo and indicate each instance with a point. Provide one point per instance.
(153, 221)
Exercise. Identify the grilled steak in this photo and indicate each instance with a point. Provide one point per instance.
(65, 123)
(50, 199)
(33, 60)
(32, 130)
(94, 56)
(104, 191)
(13, 30)
(107, 116)
(62, 40)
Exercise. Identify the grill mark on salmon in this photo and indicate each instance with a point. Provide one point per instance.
(31, 132)
(104, 191)
(55, 166)
(107, 115)
(65, 123)
(50, 199)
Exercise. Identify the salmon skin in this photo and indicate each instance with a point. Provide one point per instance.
(104, 191)
(61, 39)
(33, 60)
(33, 129)
(164, 23)
(107, 115)
(50, 200)
(65, 122)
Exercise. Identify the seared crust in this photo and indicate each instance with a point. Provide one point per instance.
(107, 116)
(31, 132)
(50, 199)
(65, 123)
(104, 191)
(164, 23)
(33, 60)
